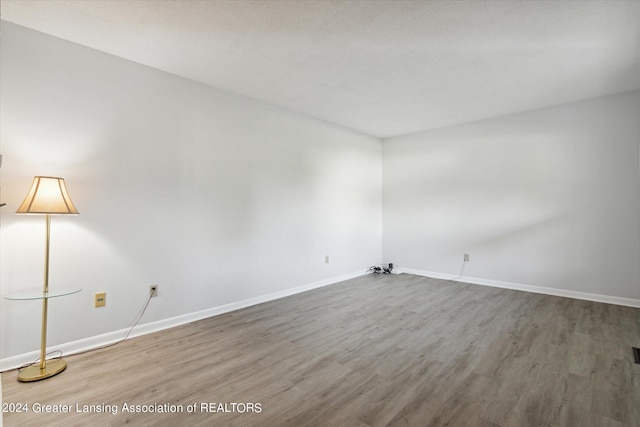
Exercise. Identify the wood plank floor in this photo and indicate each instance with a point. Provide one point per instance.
(397, 350)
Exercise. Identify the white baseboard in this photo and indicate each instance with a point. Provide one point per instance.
(94, 342)
(629, 302)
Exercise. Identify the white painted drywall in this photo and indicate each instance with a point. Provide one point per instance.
(547, 198)
(214, 197)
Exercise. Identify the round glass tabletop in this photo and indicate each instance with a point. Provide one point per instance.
(38, 294)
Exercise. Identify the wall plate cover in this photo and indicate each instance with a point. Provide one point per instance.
(101, 299)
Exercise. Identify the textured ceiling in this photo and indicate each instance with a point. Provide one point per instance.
(383, 68)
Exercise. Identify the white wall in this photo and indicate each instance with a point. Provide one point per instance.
(215, 197)
(547, 198)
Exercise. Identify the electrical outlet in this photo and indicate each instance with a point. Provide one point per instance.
(326, 259)
(153, 290)
(466, 258)
(101, 299)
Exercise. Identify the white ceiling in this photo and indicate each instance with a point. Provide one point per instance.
(383, 68)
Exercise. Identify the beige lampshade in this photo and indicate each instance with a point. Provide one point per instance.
(48, 195)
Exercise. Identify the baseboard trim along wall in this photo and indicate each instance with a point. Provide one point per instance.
(91, 343)
(629, 302)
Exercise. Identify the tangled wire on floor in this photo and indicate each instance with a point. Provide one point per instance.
(381, 270)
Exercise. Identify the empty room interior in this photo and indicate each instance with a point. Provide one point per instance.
(320, 213)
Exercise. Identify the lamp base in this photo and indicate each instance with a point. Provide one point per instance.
(34, 373)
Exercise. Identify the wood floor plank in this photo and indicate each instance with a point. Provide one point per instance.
(398, 350)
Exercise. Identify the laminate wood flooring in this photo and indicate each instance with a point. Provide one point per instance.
(396, 350)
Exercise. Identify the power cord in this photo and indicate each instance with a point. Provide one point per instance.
(26, 365)
(464, 263)
(60, 353)
(135, 323)
(381, 270)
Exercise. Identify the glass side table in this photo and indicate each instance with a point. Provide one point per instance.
(38, 294)
(43, 369)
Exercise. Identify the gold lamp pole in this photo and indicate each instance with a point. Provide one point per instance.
(48, 196)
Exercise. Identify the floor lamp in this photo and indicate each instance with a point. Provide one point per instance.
(47, 196)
